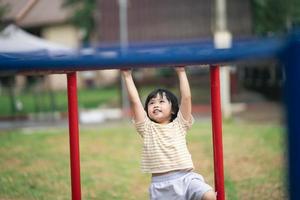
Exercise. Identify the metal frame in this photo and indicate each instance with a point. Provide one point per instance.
(172, 54)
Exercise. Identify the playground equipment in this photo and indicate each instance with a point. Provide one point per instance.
(286, 50)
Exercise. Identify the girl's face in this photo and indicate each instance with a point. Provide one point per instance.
(160, 109)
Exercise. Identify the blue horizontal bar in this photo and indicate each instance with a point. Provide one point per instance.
(139, 55)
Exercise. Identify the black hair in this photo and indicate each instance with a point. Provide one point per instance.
(170, 97)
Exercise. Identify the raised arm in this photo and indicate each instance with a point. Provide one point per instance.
(185, 93)
(133, 96)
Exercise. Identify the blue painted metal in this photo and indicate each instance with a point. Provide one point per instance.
(291, 59)
(170, 54)
(138, 55)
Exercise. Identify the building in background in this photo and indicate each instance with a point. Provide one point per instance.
(170, 20)
(148, 21)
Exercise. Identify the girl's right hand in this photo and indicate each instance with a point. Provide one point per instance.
(180, 69)
(126, 71)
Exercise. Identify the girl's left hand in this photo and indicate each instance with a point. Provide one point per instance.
(179, 69)
(126, 71)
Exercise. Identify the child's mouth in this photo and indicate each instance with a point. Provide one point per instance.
(156, 111)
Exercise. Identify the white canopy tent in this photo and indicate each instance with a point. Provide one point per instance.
(14, 39)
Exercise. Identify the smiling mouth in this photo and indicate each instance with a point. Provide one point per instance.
(156, 111)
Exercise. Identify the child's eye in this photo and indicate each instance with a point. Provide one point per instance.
(162, 101)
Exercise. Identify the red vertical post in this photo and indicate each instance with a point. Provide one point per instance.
(217, 131)
(74, 136)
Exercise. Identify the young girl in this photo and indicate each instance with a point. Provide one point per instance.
(163, 125)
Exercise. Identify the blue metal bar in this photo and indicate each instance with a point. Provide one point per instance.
(164, 54)
(291, 60)
(157, 55)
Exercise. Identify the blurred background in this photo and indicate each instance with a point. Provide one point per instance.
(253, 110)
(75, 24)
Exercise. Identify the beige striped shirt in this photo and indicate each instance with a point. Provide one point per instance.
(164, 145)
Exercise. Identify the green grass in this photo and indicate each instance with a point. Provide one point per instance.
(35, 163)
(44, 101)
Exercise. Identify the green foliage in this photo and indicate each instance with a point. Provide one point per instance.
(295, 11)
(83, 16)
(275, 16)
(4, 8)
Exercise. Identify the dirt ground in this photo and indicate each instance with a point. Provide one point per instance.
(262, 112)
(251, 107)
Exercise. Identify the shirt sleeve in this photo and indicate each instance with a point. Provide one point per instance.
(186, 124)
(141, 126)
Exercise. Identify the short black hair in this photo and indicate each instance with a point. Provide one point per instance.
(170, 97)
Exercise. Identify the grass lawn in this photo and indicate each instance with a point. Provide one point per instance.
(35, 163)
(44, 101)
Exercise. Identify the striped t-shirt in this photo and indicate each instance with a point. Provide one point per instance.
(164, 145)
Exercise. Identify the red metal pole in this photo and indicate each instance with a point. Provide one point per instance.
(217, 131)
(74, 136)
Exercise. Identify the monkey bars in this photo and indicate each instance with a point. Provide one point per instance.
(286, 50)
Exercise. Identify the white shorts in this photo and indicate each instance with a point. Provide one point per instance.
(178, 186)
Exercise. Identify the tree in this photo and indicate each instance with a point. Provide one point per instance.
(275, 16)
(83, 16)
